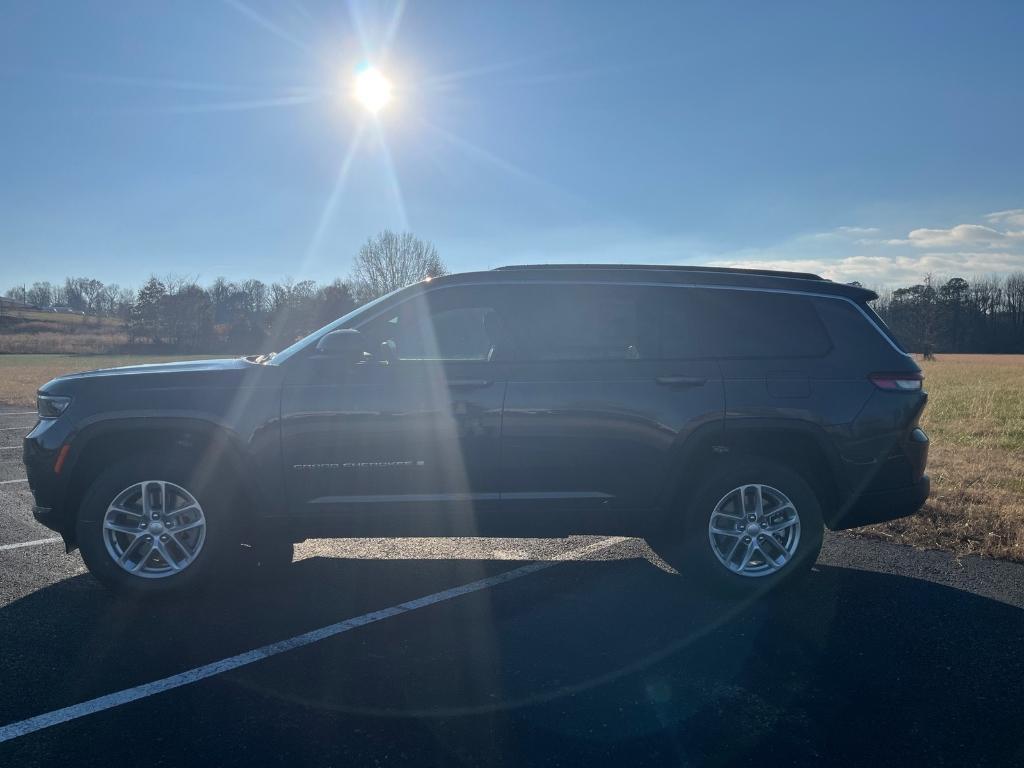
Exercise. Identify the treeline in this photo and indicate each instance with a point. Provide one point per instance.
(955, 315)
(248, 316)
(958, 315)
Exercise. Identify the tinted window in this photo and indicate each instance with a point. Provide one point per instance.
(450, 324)
(583, 322)
(725, 323)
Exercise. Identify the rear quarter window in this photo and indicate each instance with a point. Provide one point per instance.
(728, 323)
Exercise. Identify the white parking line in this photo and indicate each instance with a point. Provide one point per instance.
(8, 482)
(9, 447)
(9, 429)
(17, 413)
(116, 699)
(19, 545)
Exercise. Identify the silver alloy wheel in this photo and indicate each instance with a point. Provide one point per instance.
(754, 530)
(154, 529)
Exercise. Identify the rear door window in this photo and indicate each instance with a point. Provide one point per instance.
(724, 323)
(584, 322)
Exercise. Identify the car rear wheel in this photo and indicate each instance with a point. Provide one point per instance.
(153, 525)
(749, 528)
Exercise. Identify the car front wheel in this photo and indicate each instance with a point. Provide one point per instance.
(153, 525)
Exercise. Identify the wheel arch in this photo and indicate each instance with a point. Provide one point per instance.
(211, 446)
(800, 445)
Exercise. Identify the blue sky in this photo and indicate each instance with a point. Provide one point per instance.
(868, 141)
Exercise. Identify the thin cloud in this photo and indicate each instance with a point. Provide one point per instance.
(859, 230)
(1011, 218)
(891, 270)
(959, 236)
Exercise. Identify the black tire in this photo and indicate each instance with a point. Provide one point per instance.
(685, 542)
(210, 489)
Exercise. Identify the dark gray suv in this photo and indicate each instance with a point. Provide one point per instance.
(725, 415)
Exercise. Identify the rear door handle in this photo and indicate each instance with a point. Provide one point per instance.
(469, 383)
(681, 382)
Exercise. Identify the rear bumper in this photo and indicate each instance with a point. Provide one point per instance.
(879, 506)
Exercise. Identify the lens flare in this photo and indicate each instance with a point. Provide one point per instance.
(372, 89)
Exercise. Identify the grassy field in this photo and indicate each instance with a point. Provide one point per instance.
(21, 375)
(29, 331)
(975, 418)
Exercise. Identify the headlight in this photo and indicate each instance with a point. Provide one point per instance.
(50, 407)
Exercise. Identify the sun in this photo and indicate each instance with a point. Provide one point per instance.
(372, 89)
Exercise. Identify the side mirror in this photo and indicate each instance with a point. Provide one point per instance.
(346, 344)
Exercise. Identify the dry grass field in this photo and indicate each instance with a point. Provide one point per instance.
(30, 331)
(975, 417)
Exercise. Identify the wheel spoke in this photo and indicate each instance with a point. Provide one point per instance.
(176, 514)
(723, 513)
(144, 559)
(166, 555)
(771, 562)
(119, 510)
(783, 525)
(147, 506)
(128, 550)
(132, 529)
(747, 555)
(198, 523)
(724, 532)
(732, 552)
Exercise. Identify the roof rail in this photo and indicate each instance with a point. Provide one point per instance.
(668, 268)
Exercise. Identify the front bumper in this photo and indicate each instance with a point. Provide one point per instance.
(880, 506)
(39, 454)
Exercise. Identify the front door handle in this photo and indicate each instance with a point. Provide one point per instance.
(469, 383)
(681, 382)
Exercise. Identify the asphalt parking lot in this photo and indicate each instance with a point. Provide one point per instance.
(580, 651)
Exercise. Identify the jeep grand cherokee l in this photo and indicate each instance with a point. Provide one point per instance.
(725, 415)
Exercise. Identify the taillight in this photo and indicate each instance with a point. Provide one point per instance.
(898, 382)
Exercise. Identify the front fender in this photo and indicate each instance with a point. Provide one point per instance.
(252, 458)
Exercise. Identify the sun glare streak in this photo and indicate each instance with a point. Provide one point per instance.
(396, 187)
(267, 24)
(303, 11)
(440, 82)
(332, 201)
(392, 30)
(242, 106)
(491, 159)
(158, 82)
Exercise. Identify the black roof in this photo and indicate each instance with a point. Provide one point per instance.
(669, 274)
(670, 268)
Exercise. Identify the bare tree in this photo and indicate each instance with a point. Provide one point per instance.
(40, 294)
(390, 261)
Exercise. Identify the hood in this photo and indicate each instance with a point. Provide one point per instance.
(190, 373)
(190, 366)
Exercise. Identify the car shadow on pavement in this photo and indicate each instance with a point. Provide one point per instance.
(609, 663)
